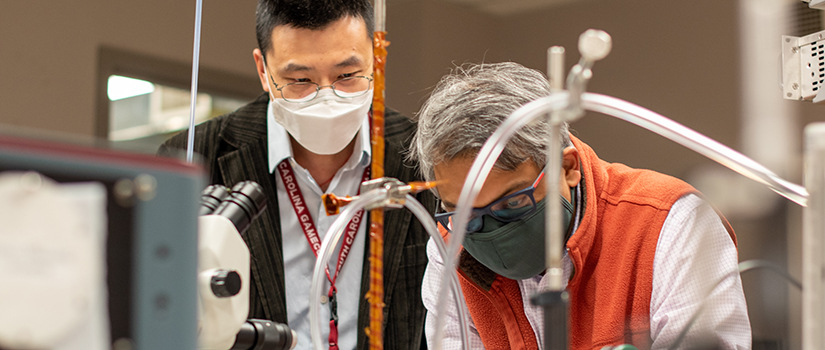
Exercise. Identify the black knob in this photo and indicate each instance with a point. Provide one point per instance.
(225, 283)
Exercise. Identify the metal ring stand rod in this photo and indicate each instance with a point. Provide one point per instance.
(333, 237)
(813, 239)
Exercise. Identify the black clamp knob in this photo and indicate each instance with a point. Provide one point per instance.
(225, 283)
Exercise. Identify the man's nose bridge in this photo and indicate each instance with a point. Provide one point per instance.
(326, 83)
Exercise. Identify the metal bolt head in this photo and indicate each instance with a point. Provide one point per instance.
(124, 191)
(145, 187)
(795, 86)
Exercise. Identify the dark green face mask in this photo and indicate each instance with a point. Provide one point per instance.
(514, 249)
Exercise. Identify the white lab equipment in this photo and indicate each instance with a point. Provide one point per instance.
(224, 278)
(52, 254)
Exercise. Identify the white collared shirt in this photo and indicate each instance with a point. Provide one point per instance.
(694, 251)
(299, 259)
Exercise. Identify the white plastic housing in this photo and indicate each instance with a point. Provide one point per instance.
(220, 247)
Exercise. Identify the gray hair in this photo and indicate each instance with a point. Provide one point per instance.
(469, 104)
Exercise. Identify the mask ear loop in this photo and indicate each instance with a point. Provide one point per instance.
(268, 79)
(578, 210)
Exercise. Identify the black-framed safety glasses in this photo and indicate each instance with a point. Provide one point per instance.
(509, 208)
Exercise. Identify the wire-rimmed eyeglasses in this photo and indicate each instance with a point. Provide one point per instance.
(303, 91)
(509, 208)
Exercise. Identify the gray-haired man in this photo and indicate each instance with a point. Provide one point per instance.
(634, 239)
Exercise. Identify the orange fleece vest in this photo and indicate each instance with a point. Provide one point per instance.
(612, 253)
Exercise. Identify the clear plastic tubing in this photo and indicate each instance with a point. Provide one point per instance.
(611, 106)
(333, 237)
(429, 224)
(196, 53)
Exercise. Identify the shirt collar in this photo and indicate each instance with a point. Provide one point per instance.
(279, 147)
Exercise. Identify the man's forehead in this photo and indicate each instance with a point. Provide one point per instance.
(338, 45)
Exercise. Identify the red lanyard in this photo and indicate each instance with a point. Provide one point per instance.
(311, 233)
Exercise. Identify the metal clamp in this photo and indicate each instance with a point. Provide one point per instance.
(396, 192)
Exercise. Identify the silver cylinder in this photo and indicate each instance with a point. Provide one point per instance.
(813, 238)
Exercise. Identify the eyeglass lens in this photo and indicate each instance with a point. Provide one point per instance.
(347, 87)
(507, 209)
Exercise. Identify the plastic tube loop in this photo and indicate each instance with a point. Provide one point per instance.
(371, 198)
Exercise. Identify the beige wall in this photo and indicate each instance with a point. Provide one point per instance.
(679, 58)
(48, 49)
(662, 58)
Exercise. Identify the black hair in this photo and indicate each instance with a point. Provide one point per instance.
(306, 14)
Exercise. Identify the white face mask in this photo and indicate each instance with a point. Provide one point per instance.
(324, 125)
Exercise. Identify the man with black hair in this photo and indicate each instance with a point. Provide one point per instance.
(307, 135)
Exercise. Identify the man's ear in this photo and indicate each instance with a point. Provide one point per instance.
(571, 166)
(258, 56)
